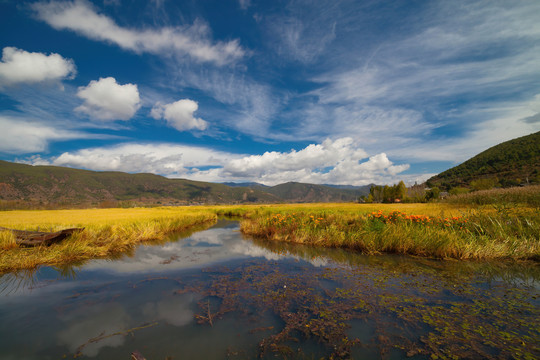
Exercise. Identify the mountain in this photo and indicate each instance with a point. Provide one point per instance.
(302, 192)
(352, 187)
(508, 164)
(299, 192)
(247, 184)
(60, 186)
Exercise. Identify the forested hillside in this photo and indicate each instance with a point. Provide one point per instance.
(508, 164)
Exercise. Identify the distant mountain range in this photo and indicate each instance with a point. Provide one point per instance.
(510, 163)
(60, 186)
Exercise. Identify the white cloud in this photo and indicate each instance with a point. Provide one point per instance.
(22, 136)
(313, 157)
(19, 66)
(339, 161)
(81, 17)
(179, 115)
(166, 159)
(105, 99)
(449, 71)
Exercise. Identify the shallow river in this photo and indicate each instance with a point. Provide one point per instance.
(217, 295)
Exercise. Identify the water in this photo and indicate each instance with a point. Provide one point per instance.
(217, 295)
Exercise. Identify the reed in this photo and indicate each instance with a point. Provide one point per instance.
(434, 230)
(106, 232)
(516, 196)
(448, 232)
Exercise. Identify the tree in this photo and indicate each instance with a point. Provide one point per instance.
(433, 193)
(401, 190)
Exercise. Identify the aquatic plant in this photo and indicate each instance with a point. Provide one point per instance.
(419, 310)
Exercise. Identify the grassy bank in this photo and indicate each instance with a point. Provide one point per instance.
(433, 230)
(505, 225)
(106, 232)
(510, 197)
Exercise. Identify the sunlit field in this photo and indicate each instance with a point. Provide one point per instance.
(106, 232)
(458, 230)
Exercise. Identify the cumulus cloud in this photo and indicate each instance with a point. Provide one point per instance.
(82, 18)
(105, 99)
(179, 115)
(339, 161)
(22, 136)
(19, 66)
(165, 159)
(313, 157)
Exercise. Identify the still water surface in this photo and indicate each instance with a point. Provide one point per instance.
(218, 295)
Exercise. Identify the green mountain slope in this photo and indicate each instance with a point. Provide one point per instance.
(509, 163)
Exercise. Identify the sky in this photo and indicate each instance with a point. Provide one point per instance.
(327, 92)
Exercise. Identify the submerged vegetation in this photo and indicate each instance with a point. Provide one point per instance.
(372, 310)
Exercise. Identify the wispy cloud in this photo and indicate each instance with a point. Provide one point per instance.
(81, 17)
(457, 62)
(251, 105)
(244, 4)
(23, 136)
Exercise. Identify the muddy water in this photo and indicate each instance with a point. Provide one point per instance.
(217, 295)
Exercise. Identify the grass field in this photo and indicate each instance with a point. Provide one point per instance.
(458, 229)
(435, 230)
(106, 232)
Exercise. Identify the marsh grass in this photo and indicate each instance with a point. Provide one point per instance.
(510, 197)
(473, 234)
(106, 232)
(453, 230)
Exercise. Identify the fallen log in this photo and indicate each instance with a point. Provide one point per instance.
(34, 238)
(137, 356)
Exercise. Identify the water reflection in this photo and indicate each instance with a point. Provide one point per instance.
(253, 298)
(526, 273)
(220, 243)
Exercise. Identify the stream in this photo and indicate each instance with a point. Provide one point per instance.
(215, 294)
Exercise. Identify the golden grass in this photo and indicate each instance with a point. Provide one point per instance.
(449, 231)
(527, 195)
(106, 232)
(489, 232)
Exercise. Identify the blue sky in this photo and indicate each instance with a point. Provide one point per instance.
(330, 92)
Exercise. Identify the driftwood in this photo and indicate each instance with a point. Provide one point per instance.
(33, 238)
(137, 356)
